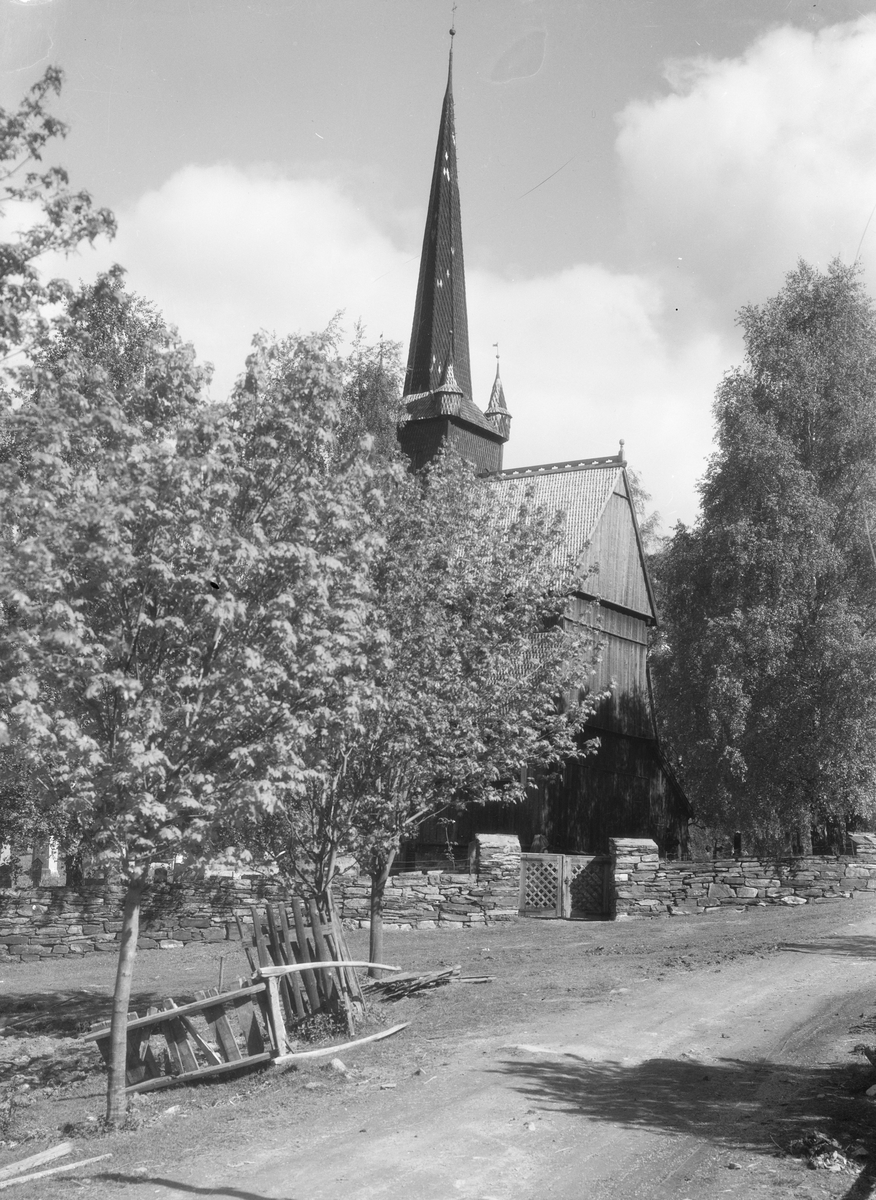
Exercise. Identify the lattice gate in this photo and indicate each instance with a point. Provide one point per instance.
(563, 885)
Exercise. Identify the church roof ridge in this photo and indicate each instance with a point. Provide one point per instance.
(559, 468)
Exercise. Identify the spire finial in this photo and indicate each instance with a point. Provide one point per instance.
(453, 24)
(620, 452)
(496, 347)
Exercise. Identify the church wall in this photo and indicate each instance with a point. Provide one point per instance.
(615, 549)
(621, 791)
(421, 440)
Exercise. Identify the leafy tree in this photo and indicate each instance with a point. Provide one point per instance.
(765, 676)
(176, 609)
(371, 405)
(64, 218)
(468, 666)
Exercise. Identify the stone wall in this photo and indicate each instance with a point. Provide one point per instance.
(646, 886)
(36, 922)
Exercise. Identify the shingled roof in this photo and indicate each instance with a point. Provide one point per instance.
(579, 488)
(600, 523)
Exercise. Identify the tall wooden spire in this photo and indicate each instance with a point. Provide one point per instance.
(440, 320)
(438, 377)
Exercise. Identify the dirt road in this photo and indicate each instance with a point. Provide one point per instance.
(683, 1087)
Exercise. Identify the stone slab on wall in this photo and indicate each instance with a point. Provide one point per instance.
(645, 885)
(38, 922)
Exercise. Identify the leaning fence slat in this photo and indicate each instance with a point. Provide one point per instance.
(298, 993)
(268, 972)
(94, 1035)
(36, 1160)
(151, 1085)
(326, 1051)
(304, 954)
(82, 1162)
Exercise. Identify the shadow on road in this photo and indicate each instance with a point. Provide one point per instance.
(744, 1106)
(845, 947)
(219, 1190)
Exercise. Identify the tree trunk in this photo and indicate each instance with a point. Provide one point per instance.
(116, 1100)
(379, 875)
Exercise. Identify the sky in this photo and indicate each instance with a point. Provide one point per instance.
(631, 173)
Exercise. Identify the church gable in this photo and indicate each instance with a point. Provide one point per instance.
(613, 564)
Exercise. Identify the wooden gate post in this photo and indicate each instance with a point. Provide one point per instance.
(565, 889)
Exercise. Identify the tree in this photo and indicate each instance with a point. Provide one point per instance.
(464, 686)
(765, 675)
(176, 609)
(65, 218)
(371, 405)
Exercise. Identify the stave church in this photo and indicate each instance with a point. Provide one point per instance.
(626, 789)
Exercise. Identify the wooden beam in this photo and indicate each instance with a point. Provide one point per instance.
(96, 1034)
(271, 972)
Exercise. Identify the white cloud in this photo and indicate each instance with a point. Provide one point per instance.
(585, 363)
(224, 252)
(756, 161)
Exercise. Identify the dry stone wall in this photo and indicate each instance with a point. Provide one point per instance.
(37, 922)
(645, 885)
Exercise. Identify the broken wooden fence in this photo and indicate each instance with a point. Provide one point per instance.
(300, 967)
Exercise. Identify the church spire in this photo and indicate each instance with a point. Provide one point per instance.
(440, 411)
(440, 318)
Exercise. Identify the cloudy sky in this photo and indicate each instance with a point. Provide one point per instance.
(632, 171)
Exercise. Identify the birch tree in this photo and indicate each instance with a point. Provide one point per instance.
(765, 674)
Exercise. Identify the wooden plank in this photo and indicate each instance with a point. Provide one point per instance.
(218, 1021)
(299, 996)
(151, 1085)
(244, 941)
(259, 938)
(345, 953)
(206, 1049)
(245, 1015)
(80, 1162)
(345, 991)
(269, 972)
(322, 953)
(36, 1160)
(278, 1027)
(304, 955)
(177, 1042)
(195, 1006)
(327, 1051)
(151, 1063)
(279, 957)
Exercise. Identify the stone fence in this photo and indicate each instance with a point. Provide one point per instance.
(39, 921)
(644, 885)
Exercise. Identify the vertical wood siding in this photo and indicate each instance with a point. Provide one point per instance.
(614, 549)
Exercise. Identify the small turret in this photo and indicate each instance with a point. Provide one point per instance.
(497, 410)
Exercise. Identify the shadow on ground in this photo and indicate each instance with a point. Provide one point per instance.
(741, 1106)
(191, 1189)
(65, 1013)
(844, 947)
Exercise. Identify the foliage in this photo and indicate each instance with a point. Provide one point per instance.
(765, 676)
(371, 403)
(469, 665)
(57, 220)
(173, 608)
